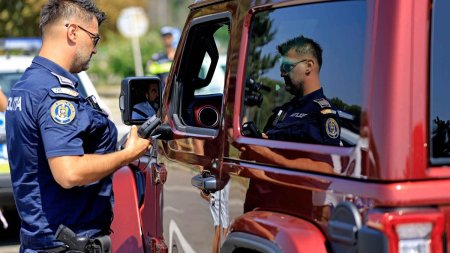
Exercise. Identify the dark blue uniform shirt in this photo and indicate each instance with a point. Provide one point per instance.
(142, 110)
(308, 119)
(47, 117)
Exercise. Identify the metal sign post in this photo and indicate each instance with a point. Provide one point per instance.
(133, 23)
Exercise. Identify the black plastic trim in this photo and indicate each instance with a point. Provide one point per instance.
(193, 130)
(237, 240)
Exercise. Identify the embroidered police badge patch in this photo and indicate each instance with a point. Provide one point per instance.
(62, 112)
(332, 128)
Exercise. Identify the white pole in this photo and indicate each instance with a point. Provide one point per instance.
(139, 71)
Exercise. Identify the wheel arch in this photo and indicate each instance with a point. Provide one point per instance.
(271, 232)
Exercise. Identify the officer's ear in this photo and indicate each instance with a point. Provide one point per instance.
(310, 65)
(71, 32)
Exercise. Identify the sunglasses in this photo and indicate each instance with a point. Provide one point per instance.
(287, 66)
(95, 37)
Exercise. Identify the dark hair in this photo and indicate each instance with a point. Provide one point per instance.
(303, 46)
(57, 9)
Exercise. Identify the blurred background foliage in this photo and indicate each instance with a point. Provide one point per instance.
(114, 59)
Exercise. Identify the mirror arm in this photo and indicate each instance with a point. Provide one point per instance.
(163, 132)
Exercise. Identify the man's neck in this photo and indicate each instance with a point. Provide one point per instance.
(56, 55)
(307, 89)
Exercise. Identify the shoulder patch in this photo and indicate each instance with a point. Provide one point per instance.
(332, 128)
(62, 112)
(322, 102)
(66, 91)
(64, 81)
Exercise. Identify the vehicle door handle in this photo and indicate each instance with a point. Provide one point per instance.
(159, 174)
(205, 181)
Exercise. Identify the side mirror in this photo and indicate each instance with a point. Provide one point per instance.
(140, 99)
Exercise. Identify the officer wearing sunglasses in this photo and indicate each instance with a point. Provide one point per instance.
(309, 117)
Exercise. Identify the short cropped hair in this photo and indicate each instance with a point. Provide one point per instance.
(58, 9)
(303, 46)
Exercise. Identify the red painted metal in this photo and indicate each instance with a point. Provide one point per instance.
(150, 213)
(290, 233)
(394, 123)
(126, 225)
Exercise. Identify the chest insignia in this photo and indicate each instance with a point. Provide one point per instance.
(62, 112)
(64, 80)
(332, 128)
(323, 103)
(66, 91)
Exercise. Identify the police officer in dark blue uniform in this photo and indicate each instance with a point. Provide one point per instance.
(160, 63)
(309, 116)
(149, 106)
(61, 145)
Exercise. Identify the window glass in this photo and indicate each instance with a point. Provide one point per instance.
(339, 29)
(440, 84)
(221, 38)
(7, 80)
(206, 64)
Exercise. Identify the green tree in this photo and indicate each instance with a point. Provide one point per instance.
(20, 18)
(262, 32)
(112, 8)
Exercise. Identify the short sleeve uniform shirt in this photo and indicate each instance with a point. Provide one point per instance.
(142, 110)
(308, 119)
(47, 117)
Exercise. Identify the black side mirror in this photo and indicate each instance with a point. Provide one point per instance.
(140, 99)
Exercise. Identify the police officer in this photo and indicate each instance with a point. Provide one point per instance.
(61, 147)
(147, 108)
(309, 116)
(161, 62)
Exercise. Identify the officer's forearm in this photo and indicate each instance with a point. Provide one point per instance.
(3, 102)
(71, 171)
(269, 156)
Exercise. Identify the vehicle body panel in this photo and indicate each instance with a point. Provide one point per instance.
(384, 172)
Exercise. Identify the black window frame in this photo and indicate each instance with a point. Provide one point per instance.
(439, 53)
(186, 76)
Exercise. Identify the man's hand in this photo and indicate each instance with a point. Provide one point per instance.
(70, 171)
(135, 145)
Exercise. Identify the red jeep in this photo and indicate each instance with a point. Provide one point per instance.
(386, 187)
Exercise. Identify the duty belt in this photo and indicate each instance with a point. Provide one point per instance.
(76, 244)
